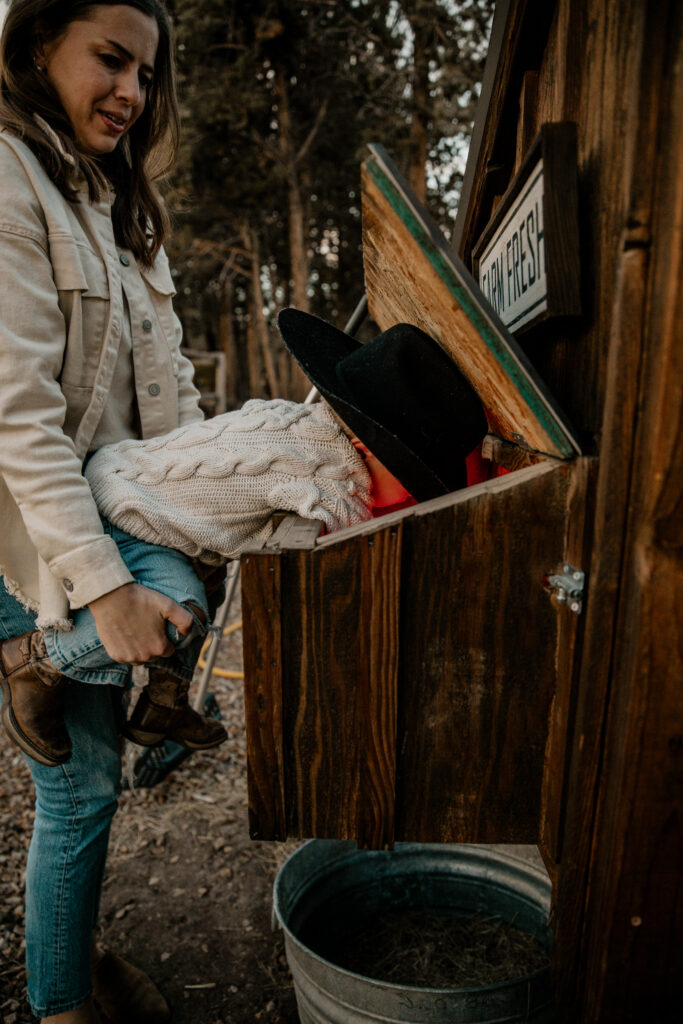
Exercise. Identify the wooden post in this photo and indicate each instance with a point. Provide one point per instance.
(619, 903)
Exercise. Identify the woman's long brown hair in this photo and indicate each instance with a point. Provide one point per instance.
(146, 153)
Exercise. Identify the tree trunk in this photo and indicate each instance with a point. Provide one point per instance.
(298, 251)
(226, 334)
(297, 234)
(251, 242)
(254, 362)
(418, 125)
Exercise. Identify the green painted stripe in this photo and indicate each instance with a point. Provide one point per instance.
(496, 345)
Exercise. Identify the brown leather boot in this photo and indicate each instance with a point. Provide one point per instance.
(164, 713)
(33, 699)
(124, 994)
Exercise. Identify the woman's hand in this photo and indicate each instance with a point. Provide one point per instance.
(131, 623)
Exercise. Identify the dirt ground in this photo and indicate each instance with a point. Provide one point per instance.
(187, 895)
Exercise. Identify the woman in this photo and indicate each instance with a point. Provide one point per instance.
(88, 355)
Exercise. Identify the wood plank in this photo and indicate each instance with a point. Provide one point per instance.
(577, 546)
(263, 694)
(631, 924)
(411, 276)
(619, 880)
(585, 73)
(527, 124)
(340, 620)
(321, 694)
(379, 653)
(475, 684)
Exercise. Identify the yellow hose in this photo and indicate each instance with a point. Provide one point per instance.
(222, 673)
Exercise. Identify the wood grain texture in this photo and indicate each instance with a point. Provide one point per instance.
(340, 617)
(261, 615)
(409, 277)
(577, 546)
(527, 122)
(618, 946)
(401, 659)
(379, 644)
(632, 926)
(509, 456)
(479, 637)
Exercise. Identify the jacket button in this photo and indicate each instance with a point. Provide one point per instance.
(68, 585)
(124, 260)
(147, 325)
(154, 389)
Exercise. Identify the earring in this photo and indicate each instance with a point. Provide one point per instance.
(40, 67)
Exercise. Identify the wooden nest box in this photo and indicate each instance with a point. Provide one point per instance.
(503, 664)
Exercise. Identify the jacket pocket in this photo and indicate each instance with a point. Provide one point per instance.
(159, 277)
(83, 286)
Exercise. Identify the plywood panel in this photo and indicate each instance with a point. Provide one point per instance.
(479, 642)
(419, 667)
(410, 276)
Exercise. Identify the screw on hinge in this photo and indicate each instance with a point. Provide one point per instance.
(568, 587)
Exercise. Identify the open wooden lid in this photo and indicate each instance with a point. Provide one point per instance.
(413, 276)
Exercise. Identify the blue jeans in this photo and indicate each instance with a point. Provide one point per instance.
(79, 653)
(76, 801)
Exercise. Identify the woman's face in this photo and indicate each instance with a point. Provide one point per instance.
(101, 69)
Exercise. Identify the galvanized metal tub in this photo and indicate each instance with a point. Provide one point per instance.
(327, 884)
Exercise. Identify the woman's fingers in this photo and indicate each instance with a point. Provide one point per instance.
(131, 623)
(179, 616)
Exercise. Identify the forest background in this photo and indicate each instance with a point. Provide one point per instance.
(279, 100)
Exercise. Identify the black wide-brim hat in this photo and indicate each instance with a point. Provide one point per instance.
(400, 394)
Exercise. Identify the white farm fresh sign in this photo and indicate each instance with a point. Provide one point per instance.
(512, 267)
(526, 262)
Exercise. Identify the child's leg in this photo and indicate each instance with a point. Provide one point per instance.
(32, 691)
(35, 666)
(79, 653)
(163, 710)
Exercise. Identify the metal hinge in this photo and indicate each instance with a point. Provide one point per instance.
(568, 587)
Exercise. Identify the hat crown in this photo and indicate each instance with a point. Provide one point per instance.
(404, 380)
(400, 393)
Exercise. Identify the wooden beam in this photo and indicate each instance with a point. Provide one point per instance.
(619, 907)
(340, 620)
(527, 125)
(263, 694)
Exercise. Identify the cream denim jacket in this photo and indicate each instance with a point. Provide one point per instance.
(61, 314)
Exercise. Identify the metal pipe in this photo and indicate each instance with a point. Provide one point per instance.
(218, 627)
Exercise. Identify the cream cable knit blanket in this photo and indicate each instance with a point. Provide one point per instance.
(209, 489)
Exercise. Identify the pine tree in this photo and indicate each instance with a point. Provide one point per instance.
(280, 98)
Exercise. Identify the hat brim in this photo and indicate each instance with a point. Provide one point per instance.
(318, 347)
